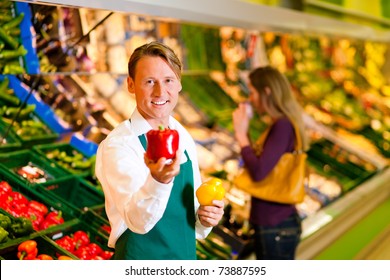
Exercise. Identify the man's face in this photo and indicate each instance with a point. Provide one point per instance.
(156, 89)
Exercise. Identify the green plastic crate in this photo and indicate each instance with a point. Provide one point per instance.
(73, 192)
(51, 152)
(94, 234)
(30, 194)
(347, 173)
(45, 245)
(98, 220)
(11, 161)
(29, 141)
(11, 142)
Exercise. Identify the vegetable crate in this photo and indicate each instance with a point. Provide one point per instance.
(18, 52)
(29, 168)
(42, 110)
(72, 192)
(47, 249)
(32, 131)
(73, 159)
(332, 161)
(90, 242)
(98, 221)
(242, 248)
(67, 158)
(8, 142)
(26, 213)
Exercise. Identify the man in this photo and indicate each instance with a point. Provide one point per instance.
(151, 206)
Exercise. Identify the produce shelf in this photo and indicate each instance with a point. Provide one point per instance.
(66, 157)
(31, 195)
(29, 168)
(44, 245)
(73, 193)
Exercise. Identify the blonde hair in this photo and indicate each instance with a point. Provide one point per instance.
(155, 49)
(277, 98)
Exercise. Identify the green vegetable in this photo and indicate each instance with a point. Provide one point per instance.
(21, 227)
(81, 164)
(3, 235)
(5, 221)
(4, 84)
(13, 22)
(11, 54)
(208, 247)
(13, 69)
(8, 40)
(10, 99)
(204, 252)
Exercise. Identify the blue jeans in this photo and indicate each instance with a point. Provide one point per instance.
(278, 242)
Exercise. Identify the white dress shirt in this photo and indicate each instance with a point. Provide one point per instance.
(133, 198)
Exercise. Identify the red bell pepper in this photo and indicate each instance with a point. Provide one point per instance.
(162, 142)
(18, 198)
(5, 187)
(67, 243)
(106, 254)
(106, 228)
(99, 258)
(52, 219)
(63, 258)
(83, 253)
(14, 203)
(36, 217)
(27, 250)
(94, 249)
(81, 238)
(44, 257)
(40, 207)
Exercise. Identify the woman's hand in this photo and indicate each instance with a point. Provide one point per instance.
(209, 216)
(241, 124)
(162, 171)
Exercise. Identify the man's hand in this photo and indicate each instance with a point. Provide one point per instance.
(209, 216)
(162, 171)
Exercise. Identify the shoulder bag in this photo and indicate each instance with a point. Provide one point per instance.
(284, 183)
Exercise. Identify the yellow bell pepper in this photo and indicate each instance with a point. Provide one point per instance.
(210, 190)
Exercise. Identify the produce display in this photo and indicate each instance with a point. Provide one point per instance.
(338, 82)
(11, 47)
(24, 213)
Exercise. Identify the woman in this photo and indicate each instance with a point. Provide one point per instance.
(151, 206)
(277, 226)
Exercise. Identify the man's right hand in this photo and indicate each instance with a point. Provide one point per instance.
(162, 171)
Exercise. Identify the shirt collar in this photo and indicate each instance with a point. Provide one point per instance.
(141, 126)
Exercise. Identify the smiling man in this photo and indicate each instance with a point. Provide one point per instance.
(151, 205)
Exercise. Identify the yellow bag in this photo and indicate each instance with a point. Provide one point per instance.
(285, 182)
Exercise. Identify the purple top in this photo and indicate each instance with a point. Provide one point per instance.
(281, 139)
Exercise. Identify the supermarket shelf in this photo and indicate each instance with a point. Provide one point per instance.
(378, 249)
(233, 13)
(330, 223)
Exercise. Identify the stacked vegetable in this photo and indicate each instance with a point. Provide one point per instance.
(28, 214)
(213, 248)
(29, 250)
(25, 124)
(11, 49)
(80, 244)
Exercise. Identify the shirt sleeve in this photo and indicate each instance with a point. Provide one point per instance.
(279, 140)
(139, 199)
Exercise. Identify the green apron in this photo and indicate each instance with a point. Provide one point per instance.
(173, 237)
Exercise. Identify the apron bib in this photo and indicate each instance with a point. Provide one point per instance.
(173, 237)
